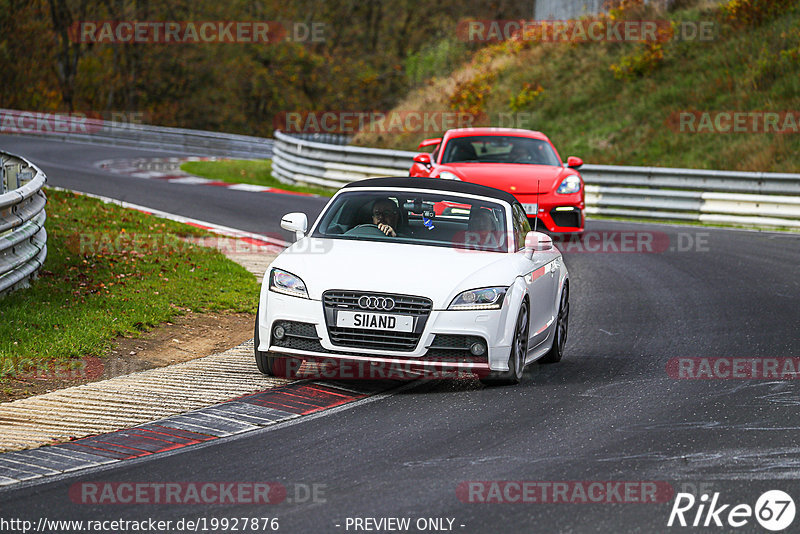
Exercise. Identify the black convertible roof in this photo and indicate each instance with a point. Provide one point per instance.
(436, 184)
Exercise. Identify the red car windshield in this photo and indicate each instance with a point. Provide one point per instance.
(499, 149)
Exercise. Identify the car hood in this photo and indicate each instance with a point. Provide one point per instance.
(439, 273)
(511, 177)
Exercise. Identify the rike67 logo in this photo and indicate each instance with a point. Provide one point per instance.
(774, 510)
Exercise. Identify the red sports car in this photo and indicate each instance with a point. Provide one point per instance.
(522, 162)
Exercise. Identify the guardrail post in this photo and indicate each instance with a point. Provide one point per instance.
(10, 178)
(24, 176)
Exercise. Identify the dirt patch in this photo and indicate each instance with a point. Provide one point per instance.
(185, 338)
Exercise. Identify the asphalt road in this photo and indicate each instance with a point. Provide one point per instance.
(72, 166)
(608, 412)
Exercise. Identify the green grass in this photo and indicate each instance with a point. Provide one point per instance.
(589, 112)
(110, 272)
(245, 171)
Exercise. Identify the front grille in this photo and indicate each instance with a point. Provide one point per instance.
(404, 304)
(417, 307)
(373, 339)
(566, 218)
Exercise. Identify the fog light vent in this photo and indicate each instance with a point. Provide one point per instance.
(477, 349)
(279, 332)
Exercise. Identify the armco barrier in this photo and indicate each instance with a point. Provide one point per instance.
(23, 239)
(725, 197)
(117, 133)
(297, 159)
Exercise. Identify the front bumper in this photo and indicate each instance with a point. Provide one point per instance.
(460, 328)
(557, 213)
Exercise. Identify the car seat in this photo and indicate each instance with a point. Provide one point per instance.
(481, 220)
(463, 152)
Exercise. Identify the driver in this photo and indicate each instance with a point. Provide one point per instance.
(386, 216)
(519, 153)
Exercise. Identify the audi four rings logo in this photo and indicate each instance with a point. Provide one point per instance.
(376, 303)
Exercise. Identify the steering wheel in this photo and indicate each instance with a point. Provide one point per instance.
(366, 230)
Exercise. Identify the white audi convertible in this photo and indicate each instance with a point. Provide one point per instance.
(420, 273)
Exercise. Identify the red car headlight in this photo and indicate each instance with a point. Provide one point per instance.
(447, 175)
(570, 184)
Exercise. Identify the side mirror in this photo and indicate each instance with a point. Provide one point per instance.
(537, 242)
(423, 159)
(295, 222)
(430, 142)
(574, 163)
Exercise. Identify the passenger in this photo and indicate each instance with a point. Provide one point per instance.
(482, 230)
(481, 220)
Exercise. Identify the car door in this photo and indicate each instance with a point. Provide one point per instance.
(539, 279)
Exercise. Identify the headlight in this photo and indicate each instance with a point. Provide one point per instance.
(286, 283)
(571, 184)
(447, 175)
(488, 298)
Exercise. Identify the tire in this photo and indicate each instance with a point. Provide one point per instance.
(556, 352)
(270, 364)
(516, 359)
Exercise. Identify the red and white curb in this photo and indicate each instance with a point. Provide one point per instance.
(109, 421)
(182, 429)
(169, 170)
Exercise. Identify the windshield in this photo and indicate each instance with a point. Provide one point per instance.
(499, 149)
(433, 219)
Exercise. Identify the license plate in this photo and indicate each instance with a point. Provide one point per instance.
(375, 321)
(531, 209)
